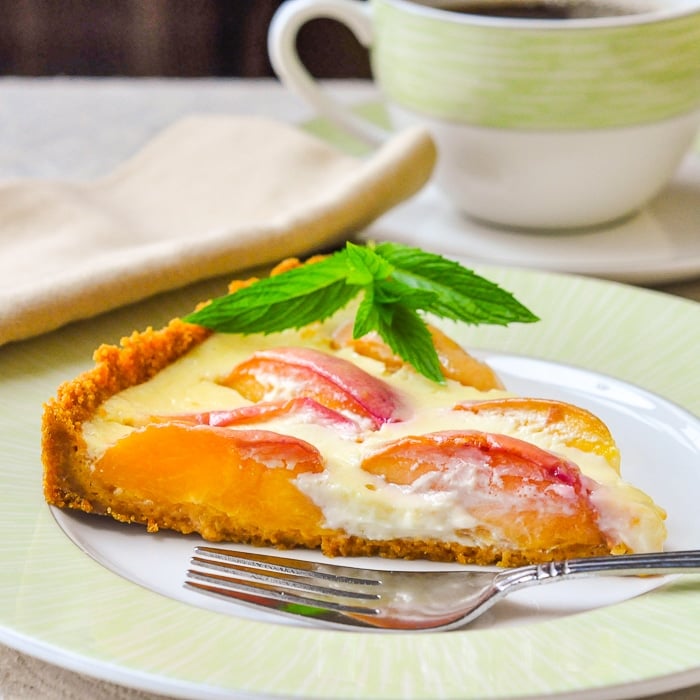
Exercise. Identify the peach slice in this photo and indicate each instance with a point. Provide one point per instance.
(284, 373)
(247, 474)
(302, 409)
(532, 497)
(455, 361)
(572, 425)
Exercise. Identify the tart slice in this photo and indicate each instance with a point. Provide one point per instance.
(313, 438)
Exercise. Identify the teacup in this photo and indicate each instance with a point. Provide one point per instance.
(547, 115)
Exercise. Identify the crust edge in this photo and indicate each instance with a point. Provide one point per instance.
(135, 360)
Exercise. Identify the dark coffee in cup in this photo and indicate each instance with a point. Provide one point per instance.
(545, 9)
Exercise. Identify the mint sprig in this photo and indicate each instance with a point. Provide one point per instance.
(397, 284)
(292, 299)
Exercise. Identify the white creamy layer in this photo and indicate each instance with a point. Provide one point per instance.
(350, 498)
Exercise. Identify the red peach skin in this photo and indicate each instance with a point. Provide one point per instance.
(574, 426)
(302, 409)
(533, 497)
(284, 373)
(455, 362)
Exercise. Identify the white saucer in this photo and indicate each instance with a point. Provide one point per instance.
(660, 244)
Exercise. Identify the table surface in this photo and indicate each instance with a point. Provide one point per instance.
(82, 128)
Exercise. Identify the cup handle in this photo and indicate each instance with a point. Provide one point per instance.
(281, 42)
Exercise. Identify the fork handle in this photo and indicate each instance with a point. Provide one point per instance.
(620, 565)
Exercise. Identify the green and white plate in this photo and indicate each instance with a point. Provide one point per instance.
(631, 355)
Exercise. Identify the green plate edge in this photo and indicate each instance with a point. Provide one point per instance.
(59, 604)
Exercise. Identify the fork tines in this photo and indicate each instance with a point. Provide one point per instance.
(284, 585)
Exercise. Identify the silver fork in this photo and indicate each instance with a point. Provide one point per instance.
(343, 596)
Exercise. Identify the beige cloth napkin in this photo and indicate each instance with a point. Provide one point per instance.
(210, 195)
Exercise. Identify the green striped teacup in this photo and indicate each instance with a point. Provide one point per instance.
(539, 123)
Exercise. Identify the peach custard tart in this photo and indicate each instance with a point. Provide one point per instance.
(311, 438)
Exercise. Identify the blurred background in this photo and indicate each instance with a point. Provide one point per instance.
(172, 38)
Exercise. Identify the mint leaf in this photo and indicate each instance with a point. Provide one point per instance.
(460, 294)
(398, 282)
(403, 330)
(409, 338)
(365, 265)
(392, 291)
(292, 299)
(369, 315)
